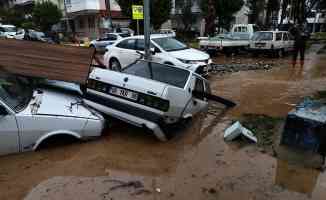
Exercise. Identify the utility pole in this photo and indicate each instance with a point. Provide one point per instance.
(147, 29)
(108, 11)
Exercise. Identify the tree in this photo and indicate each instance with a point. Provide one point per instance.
(225, 9)
(12, 16)
(46, 14)
(186, 15)
(255, 8)
(159, 10)
(271, 7)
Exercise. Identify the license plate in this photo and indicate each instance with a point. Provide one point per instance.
(124, 93)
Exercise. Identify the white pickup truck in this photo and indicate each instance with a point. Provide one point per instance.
(237, 39)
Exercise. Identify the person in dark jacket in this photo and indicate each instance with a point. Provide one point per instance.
(299, 44)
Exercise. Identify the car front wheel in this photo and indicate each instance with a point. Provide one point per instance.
(115, 65)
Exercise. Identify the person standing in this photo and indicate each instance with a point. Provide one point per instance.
(299, 44)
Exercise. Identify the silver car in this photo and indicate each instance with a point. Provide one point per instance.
(109, 39)
(30, 116)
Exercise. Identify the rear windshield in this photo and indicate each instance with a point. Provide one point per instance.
(159, 72)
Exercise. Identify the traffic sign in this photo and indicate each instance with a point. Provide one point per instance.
(137, 12)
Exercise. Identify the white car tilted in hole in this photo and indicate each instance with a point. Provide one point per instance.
(166, 50)
(30, 116)
(148, 94)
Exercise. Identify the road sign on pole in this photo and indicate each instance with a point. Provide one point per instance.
(137, 12)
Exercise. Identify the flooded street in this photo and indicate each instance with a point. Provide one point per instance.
(197, 164)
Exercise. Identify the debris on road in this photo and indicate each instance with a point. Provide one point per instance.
(236, 67)
(236, 130)
(305, 127)
(134, 184)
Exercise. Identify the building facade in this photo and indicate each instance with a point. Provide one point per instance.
(86, 18)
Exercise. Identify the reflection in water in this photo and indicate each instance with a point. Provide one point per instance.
(296, 178)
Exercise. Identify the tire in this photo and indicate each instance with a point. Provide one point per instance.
(115, 65)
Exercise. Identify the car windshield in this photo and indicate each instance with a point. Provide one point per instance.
(170, 44)
(265, 36)
(9, 29)
(159, 72)
(15, 92)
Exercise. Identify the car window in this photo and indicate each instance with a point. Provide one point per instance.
(159, 72)
(127, 44)
(124, 35)
(15, 91)
(199, 88)
(285, 36)
(138, 69)
(140, 45)
(255, 28)
(278, 36)
(111, 37)
(244, 29)
(169, 44)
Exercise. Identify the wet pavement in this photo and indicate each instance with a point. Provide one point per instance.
(197, 164)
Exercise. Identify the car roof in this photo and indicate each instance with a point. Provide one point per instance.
(7, 26)
(272, 32)
(153, 36)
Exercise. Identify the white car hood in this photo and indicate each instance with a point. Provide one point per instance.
(190, 54)
(58, 104)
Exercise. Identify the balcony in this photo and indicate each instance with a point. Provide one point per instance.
(84, 5)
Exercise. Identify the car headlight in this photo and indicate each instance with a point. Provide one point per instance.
(188, 61)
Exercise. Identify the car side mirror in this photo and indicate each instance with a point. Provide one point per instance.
(152, 50)
(3, 111)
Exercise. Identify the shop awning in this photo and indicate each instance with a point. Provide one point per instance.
(55, 62)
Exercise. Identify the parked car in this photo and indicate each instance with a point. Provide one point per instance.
(30, 116)
(39, 36)
(149, 95)
(166, 50)
(109, 39)
(7, 31)
(167, 32)
(20, 34)
(232, 42)
(273, 42)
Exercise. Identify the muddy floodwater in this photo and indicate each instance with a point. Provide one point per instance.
(197, 164)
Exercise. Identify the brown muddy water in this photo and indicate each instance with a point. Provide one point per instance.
(197, 164)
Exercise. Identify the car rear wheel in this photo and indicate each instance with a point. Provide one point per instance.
(115, 65)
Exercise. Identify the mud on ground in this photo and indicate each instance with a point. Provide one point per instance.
(197, 164)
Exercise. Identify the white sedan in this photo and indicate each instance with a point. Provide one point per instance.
(30, 117)
(166, 50)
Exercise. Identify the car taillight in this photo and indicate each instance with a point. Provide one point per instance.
(143, 99)
(154, 102)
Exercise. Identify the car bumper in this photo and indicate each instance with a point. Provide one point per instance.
(155, 122)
